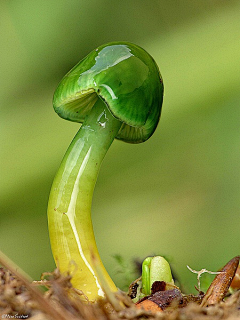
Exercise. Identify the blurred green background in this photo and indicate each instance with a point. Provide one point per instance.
(175, 195)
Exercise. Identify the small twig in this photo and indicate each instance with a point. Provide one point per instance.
(199, 273)
(36, 294)
(117, 305)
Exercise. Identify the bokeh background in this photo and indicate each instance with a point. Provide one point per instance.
(178, 194)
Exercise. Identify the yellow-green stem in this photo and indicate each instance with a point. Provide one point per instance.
(69, 208)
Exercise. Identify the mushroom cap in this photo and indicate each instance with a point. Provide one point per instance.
(126, 78)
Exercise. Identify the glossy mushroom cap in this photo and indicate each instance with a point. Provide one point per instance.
(126, 78)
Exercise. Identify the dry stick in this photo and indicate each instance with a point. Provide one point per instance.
(221, 283)
(117, 305)
(26, 280)
(199, 273)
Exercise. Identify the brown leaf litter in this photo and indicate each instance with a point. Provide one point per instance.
(22, 299)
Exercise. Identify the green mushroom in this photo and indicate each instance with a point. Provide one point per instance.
(115, 92)
(155, 269)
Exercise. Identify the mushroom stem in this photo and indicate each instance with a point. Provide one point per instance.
(69, 209)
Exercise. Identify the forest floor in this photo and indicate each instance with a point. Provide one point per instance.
(54, 298)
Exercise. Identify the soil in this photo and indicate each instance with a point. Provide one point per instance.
(54, 298)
